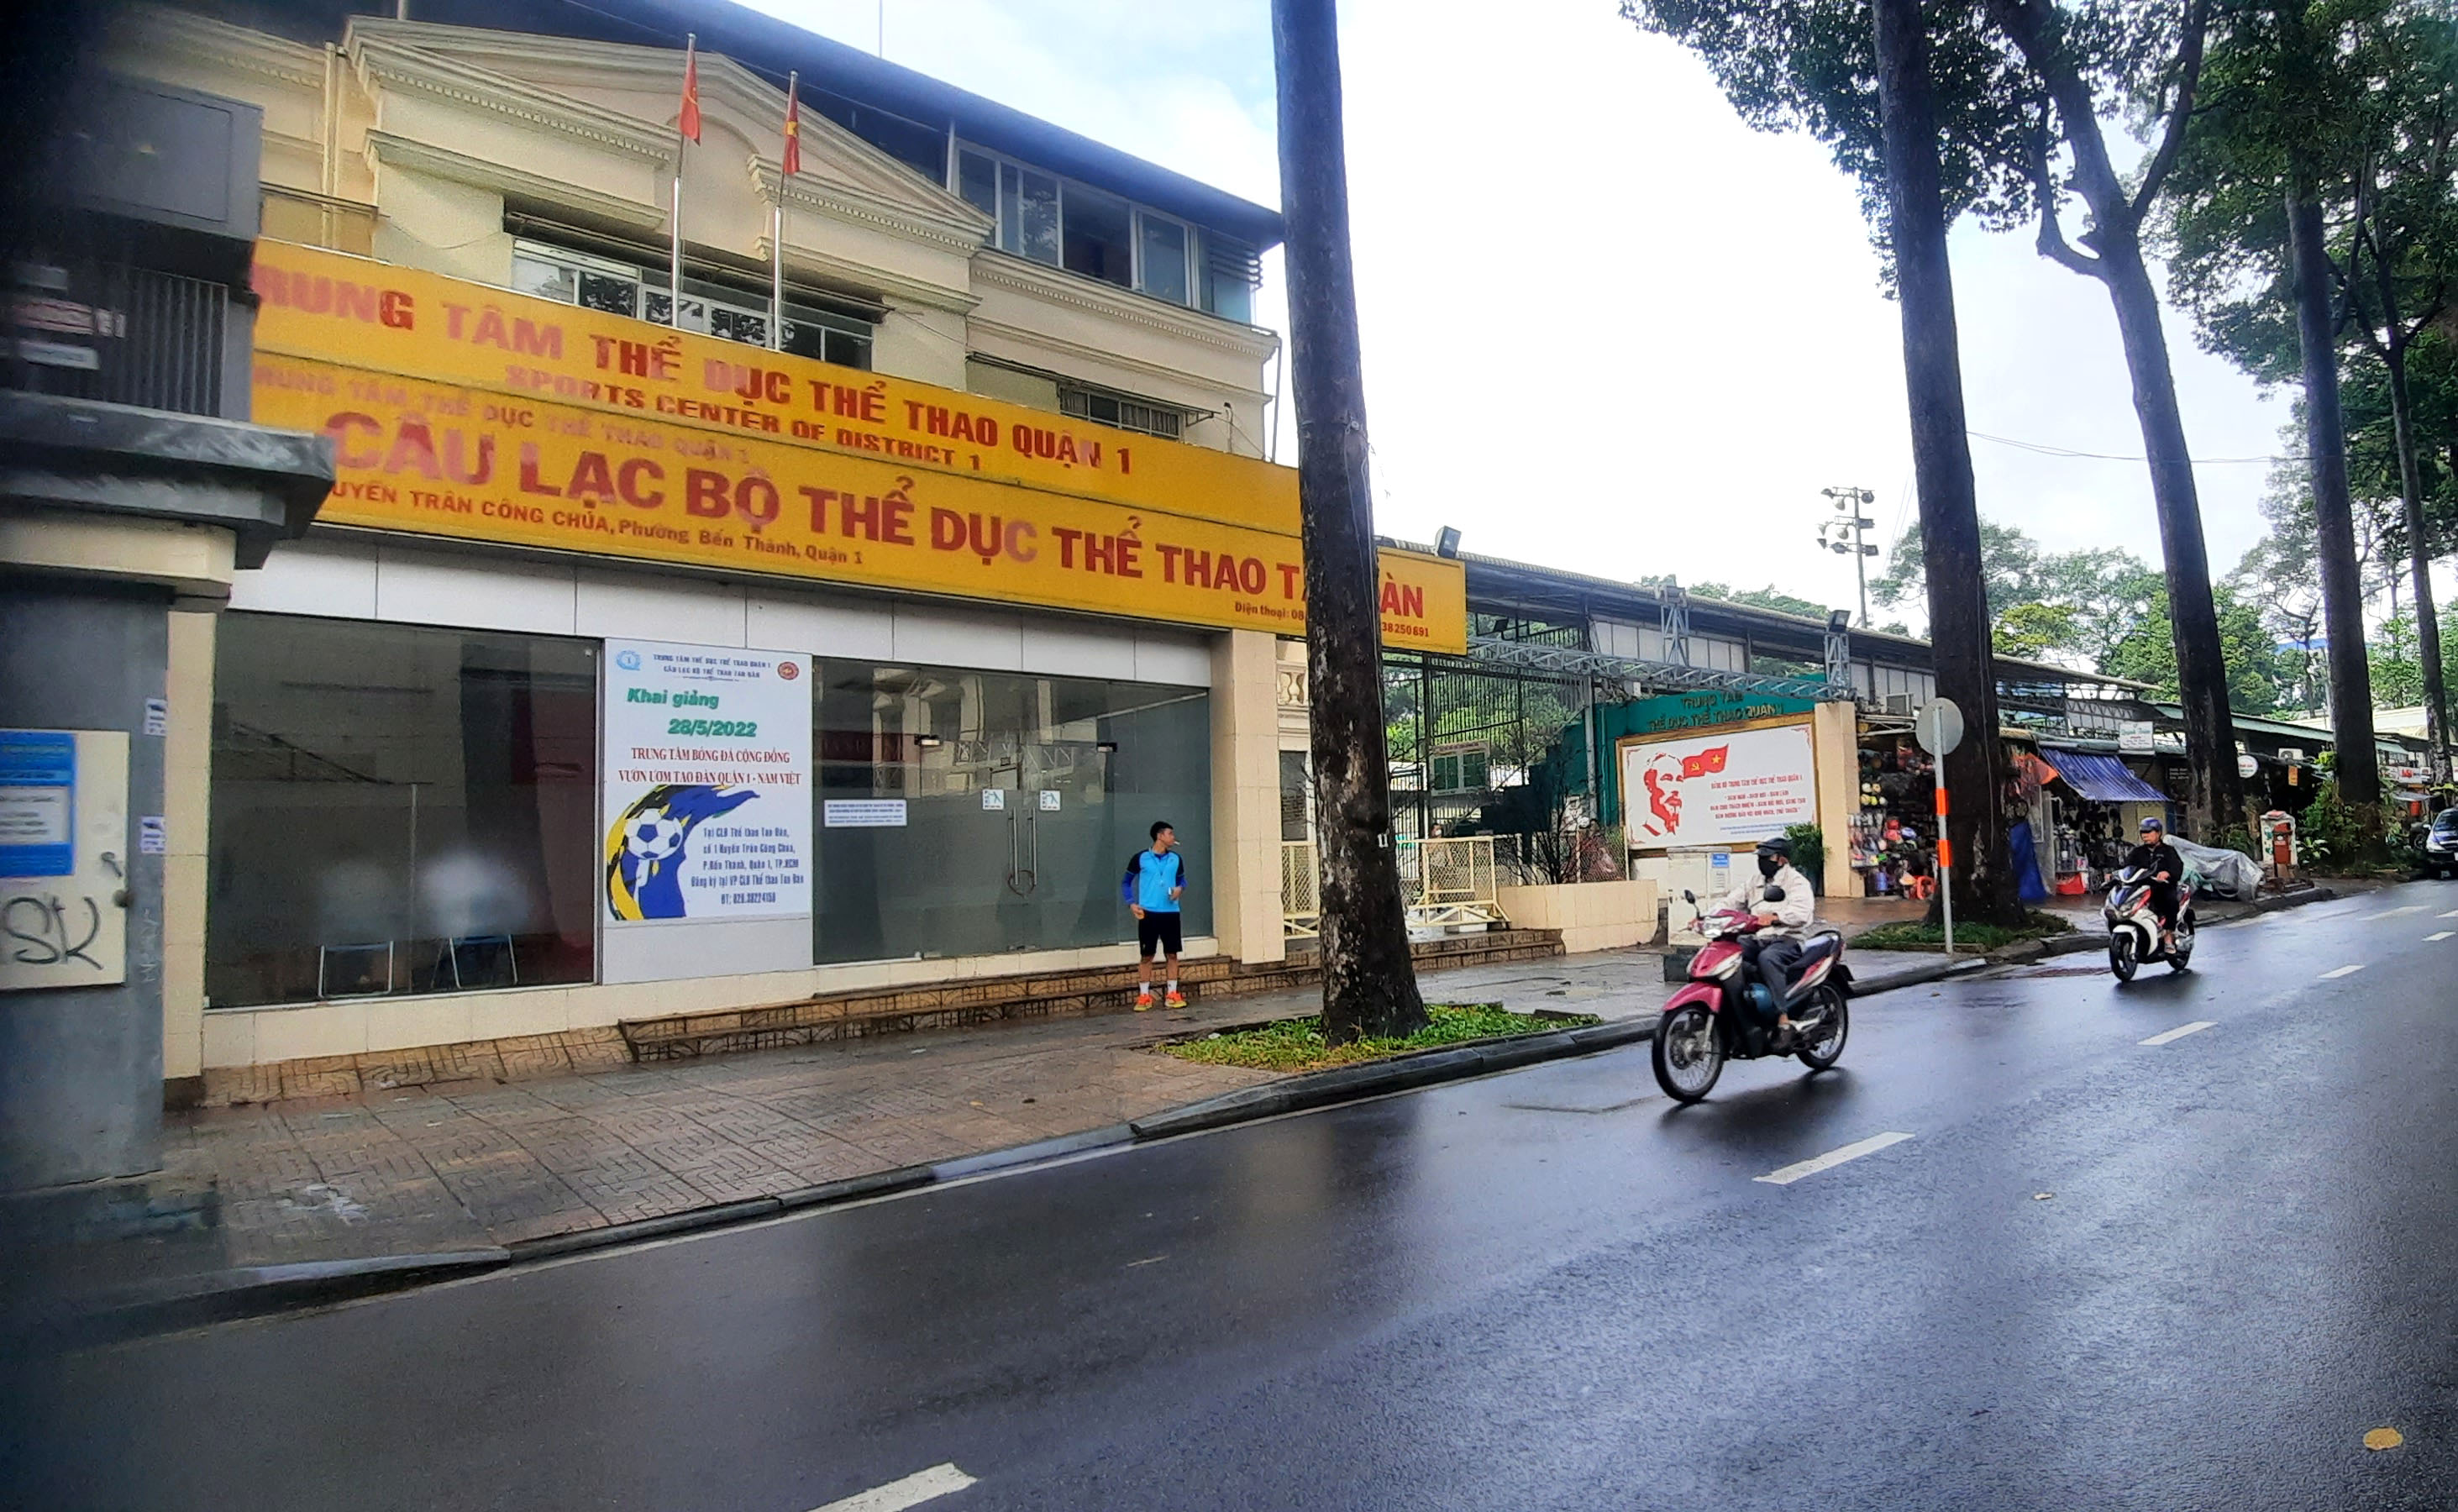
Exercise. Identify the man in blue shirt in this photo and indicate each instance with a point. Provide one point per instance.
(1155, 881)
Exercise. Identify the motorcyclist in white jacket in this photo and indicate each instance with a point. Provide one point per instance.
(1783, 920)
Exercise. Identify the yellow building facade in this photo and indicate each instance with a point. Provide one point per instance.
(839, 619)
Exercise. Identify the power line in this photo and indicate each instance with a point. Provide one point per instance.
(2044, 449)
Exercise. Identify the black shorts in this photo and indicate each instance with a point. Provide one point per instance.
(1157, 928)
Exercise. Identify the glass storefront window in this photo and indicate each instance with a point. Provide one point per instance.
(1021, 799)
(398, 810)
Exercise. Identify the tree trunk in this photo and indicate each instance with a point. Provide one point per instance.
(1369, 983)
(2418, 555)
(2343, 602)
(2213, 791)
(1950, 511)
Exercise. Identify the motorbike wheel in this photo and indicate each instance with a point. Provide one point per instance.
(2183, 954)
(2120, 955)
(1825, 1046)
(1688, 1055)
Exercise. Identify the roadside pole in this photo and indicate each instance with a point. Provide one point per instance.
(1938, 726)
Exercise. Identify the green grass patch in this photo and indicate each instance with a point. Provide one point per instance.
(1297, 1045)
(1915, 934)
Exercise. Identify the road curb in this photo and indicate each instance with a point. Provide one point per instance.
(240, 1292)
(1349, 1084)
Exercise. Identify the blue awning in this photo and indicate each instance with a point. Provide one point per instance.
(2102, 779)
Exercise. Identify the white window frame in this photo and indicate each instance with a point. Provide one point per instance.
(1189, 233)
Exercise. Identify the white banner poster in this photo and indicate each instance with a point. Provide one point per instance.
(708, 783)
(1732, 789)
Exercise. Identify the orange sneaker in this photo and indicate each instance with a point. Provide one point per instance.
(1143, 999)
(1177, 999)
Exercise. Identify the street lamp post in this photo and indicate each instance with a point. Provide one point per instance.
(1848, 536)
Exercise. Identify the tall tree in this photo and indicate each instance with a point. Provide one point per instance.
(1369, 982)
(2075, 62)
(2269, 176)
(2309, 98)
(1949, 510)
(2405, 237)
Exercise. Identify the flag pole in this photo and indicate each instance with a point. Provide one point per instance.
(788, 163)
(683, 125)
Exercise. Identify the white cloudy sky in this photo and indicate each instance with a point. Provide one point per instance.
(1606, 327)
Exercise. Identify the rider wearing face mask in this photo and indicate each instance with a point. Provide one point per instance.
(1782, 923)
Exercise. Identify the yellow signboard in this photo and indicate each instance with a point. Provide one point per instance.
(395, 319)
(440, 458)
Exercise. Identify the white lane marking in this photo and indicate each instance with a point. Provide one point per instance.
(2343, 971)
(2410, 908)
(922, 1485)
(2443, 935)
(1828, 1161)
(2181, 1030)
(2451, 914)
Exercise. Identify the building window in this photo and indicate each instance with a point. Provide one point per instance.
(995, 811)
(617, 288)
(398, 810)
(1161, 256)
(1117, 409)
(1100, 236)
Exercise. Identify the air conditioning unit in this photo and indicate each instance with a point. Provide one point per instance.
(1901, 703)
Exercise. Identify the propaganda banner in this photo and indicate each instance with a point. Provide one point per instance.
(1736, 788)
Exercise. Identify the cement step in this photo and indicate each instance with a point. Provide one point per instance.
(1041, 995)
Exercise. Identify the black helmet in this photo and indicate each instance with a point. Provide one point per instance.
(1777, 845)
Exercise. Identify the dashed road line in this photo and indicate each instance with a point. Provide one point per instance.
(2440, 934)
(2409, 908)
(2180, 1031)
(2451, 914)
(1833, 1158)
(2343, 971)
(922, 1485)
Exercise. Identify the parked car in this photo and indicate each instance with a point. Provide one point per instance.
(2439, 850)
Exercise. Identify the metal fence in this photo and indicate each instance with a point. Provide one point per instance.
(1443, 885)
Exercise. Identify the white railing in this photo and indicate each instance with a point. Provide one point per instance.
(1443, 885)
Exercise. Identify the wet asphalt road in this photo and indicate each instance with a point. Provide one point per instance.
(1547, 1289)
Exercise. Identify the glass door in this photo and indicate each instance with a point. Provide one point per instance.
(1002, 808)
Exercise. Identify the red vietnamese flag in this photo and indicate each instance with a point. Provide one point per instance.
(1706, 763)
(690, 123)
(793, 126)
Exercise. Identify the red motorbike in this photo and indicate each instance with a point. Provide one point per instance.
(1727, 1014)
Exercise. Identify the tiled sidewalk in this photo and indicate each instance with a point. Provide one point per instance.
(470, 1165)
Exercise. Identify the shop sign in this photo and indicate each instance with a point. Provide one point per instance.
(2134, 737)
(707, 797)
(438, 459)
(1731, 789)
(396, 320)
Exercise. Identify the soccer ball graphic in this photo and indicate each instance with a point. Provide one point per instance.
(652, 836)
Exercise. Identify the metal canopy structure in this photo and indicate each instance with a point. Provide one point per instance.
(1564, 661)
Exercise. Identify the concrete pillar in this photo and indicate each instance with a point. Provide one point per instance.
(81, 1066)
(1247, 797)
(1835, 742)
(187, 801)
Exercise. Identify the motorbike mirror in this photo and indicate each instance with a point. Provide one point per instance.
(1689, 896)
(1773, 895)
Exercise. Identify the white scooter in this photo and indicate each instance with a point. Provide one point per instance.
(2134, 928)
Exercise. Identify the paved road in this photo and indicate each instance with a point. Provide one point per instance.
(2098, 1272)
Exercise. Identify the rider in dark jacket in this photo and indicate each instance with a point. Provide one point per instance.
(2166, 869)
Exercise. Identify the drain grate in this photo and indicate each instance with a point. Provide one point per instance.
(2067, 971)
